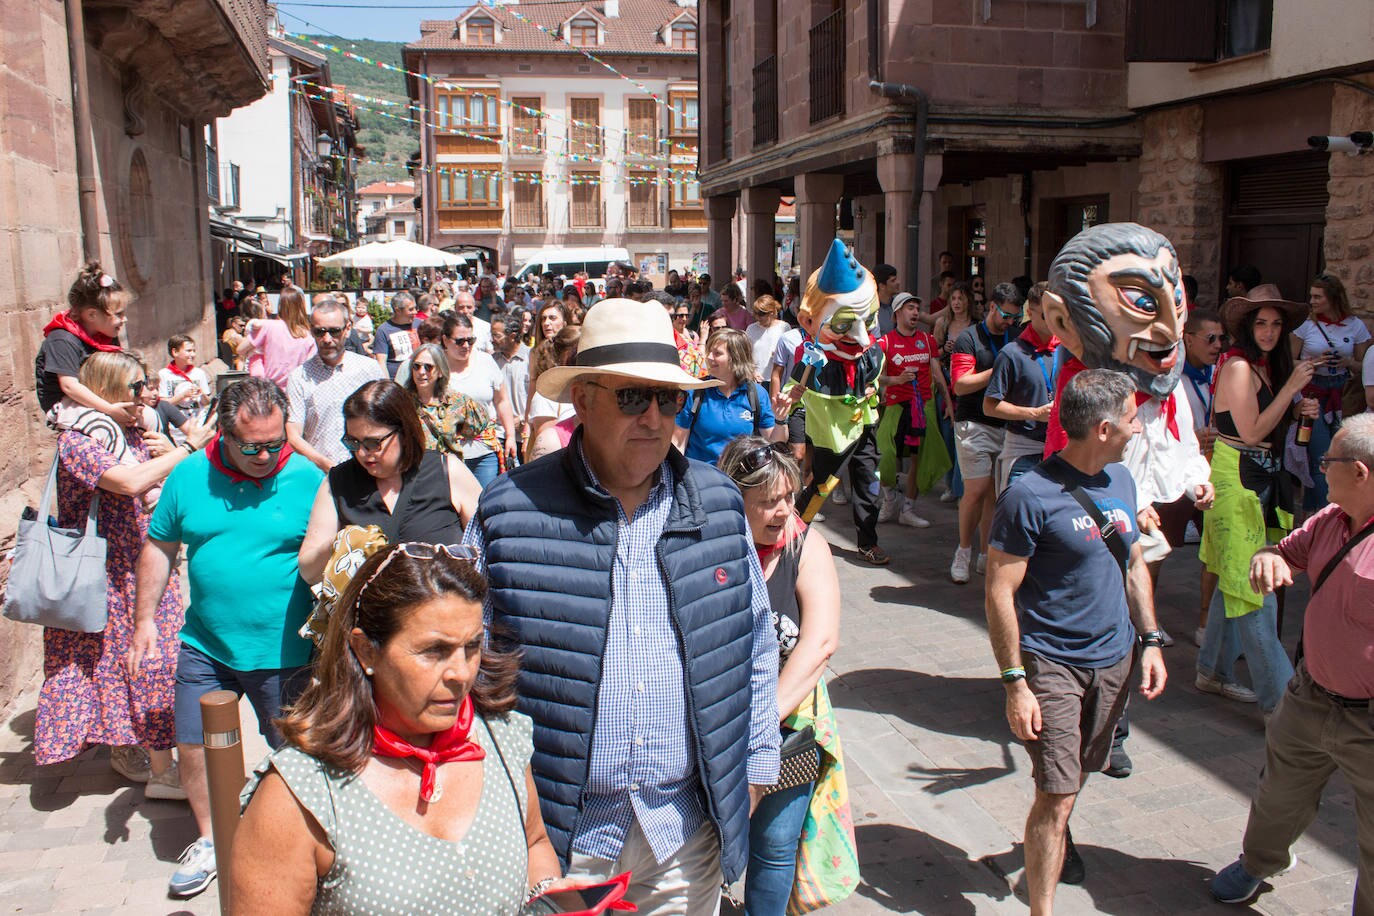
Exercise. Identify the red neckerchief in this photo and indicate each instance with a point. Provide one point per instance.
(790, 532)
(1261, 363)
(63, 321)
(212, 452)
(1167, 406)
(679, 340)
(172, 368)
(452, 744)
(1037, 342)
(1055, 437)
(1324, 320)
(848, 352)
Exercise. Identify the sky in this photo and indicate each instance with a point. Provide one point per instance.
(382, 20)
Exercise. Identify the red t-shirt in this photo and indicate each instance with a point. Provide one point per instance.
(937, 305)
(905, 352)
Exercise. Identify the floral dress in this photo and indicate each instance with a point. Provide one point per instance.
(87, 696)
(454, 420)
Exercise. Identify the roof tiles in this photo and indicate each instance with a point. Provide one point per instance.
(636, 30)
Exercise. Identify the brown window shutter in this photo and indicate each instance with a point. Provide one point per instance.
(1172, 30)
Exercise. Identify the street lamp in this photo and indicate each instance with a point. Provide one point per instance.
(324, 145)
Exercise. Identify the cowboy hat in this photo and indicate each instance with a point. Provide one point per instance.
(622, 337)
(1235, 310)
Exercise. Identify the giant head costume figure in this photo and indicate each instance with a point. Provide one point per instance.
(1115, 299)
(839, 308)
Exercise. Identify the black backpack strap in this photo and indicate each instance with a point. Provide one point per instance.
(754, 405)
(1111, 535)
(1335, 561)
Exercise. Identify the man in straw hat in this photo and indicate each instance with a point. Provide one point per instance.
(650, 665)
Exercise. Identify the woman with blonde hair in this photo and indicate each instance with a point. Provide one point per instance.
(89, 696)
(711, 417)
(284, 342)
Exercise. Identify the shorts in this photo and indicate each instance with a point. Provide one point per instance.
(1174, 518)
(1079, 708)
(268, 690)
(796, 426)
(977, 446)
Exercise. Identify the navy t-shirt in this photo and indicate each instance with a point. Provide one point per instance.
(1022, 377)
(1072, 602)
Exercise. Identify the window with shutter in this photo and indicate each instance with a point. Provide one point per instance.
(643, 117)
(528, 211)
(643, 200)
(584, 133)
(1172, 30)
(527, 125)
(584, 210)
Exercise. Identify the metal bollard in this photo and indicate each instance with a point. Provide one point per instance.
(225, 777)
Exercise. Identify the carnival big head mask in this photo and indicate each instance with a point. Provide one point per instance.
(1115, 299)
(840, 306)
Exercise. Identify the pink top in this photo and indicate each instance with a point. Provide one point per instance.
(280, 352)
(1338, 632)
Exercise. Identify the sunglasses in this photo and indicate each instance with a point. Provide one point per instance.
(137, 386)
(370, 444)
(254, 448)
(1327, 460)
(1005, 314)
(634, 401)
(1213, 338)
(327, 332)
(679, 316)
(462, 341)
(423, 367)
(418, 550)
(751, 463)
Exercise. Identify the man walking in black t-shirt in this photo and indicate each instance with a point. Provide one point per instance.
(1064, 605)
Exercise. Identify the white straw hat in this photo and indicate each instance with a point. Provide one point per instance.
(625, 338)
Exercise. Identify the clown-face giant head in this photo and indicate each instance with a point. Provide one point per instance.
(840, 306)
(1115, 299)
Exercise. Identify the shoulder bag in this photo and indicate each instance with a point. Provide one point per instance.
(1111, 535)
(800, 756)
(57, 578)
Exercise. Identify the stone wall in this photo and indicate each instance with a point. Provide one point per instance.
(1180, 195)
(1349, 236)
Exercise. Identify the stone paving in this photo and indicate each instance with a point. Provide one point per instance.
(940, 790)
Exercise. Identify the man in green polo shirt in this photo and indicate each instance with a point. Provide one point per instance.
(241, 508)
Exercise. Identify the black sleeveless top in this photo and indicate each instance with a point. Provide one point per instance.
(782, 596)
(424, 508)
(1226, 424)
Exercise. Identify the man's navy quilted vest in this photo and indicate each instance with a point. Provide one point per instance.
(550, 548)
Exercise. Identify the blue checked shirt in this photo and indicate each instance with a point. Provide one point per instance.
(643, 763)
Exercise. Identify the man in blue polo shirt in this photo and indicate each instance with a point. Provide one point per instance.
(1022, 392)
(241, 508)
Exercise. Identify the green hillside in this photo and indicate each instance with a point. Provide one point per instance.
(387, 140)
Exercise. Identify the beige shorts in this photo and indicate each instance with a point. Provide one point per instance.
(977, 446)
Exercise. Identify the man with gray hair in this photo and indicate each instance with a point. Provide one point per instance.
(465, 304)
(317, 388)
(240, 506)
(397, 338)
(1323, 722)
(1064, 635)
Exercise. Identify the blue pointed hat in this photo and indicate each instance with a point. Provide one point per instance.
(841, 272)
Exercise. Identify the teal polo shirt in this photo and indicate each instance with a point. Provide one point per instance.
(248, 601)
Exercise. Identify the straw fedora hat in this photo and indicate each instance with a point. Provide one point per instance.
(623, 337)
(1266, 294)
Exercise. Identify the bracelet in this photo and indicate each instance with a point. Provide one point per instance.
(1152, 638)
(543, 885)
(1016, 673)
(190, 449)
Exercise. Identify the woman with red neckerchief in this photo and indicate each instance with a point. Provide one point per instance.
(404, 785)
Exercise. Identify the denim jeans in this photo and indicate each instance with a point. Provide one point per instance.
(1256, 635)
(774, 831)
(484, 468)
(1314, 497)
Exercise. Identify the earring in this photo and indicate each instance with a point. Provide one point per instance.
(367, 671)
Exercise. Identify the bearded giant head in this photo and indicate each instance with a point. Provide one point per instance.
(1115, 299)
(839, 308)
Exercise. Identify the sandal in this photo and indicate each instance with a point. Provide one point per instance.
(875, 555)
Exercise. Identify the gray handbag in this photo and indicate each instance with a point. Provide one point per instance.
(58, 575)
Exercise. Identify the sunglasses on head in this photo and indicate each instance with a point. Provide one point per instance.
(327, 332)
(418, 550)
(634, 401)
(254, 448)
(752, 462)
(370, 444)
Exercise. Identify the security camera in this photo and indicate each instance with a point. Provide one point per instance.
(1360, 141)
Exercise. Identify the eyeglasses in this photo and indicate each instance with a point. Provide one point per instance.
(327, 332)
(138, 385)
(418, 550)
(1328, 460)
(254, 448)
(634, 401)
(370, 444)
(462, 341)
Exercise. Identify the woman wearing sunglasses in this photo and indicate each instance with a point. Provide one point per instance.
(804, 592)
(392, 481)
(449, 417)
(713, 416)
(404, 785)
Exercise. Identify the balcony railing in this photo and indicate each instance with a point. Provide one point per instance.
(212, 173)
(586, 141)
(646, 143)
(229, 186)
(827, 67)
(766, 102)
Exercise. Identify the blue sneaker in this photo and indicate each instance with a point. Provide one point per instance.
(197, 869)
(1233, 884)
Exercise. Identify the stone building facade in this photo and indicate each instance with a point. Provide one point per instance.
(153, 79)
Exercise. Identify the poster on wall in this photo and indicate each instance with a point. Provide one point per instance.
(700, 263)
(655, 265)
(787, 246)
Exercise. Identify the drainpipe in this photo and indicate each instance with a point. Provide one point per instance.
(81, 123)
(920, 105)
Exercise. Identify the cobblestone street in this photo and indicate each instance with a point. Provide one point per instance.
(940, 791)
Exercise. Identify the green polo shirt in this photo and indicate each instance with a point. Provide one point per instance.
(248, 601)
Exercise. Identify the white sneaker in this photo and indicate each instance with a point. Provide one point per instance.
(958, 570)
(165, 785)
(892, 504)
(909, 517)
(131, 762)
(981, 564)
(948, 497)
(840, 496)
(1228, 689)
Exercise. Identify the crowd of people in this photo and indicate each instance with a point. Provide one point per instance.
(529, 569)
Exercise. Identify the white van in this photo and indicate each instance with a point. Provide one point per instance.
(568, 261)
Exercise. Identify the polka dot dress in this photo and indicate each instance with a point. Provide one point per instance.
(382, 865)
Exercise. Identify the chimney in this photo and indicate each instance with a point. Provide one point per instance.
(611, 9)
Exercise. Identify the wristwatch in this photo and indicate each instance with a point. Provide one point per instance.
(1152, 638)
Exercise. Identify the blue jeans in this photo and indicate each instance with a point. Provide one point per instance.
(1314, 497)
(484, 468)
(774, 831)
(1256, 635)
